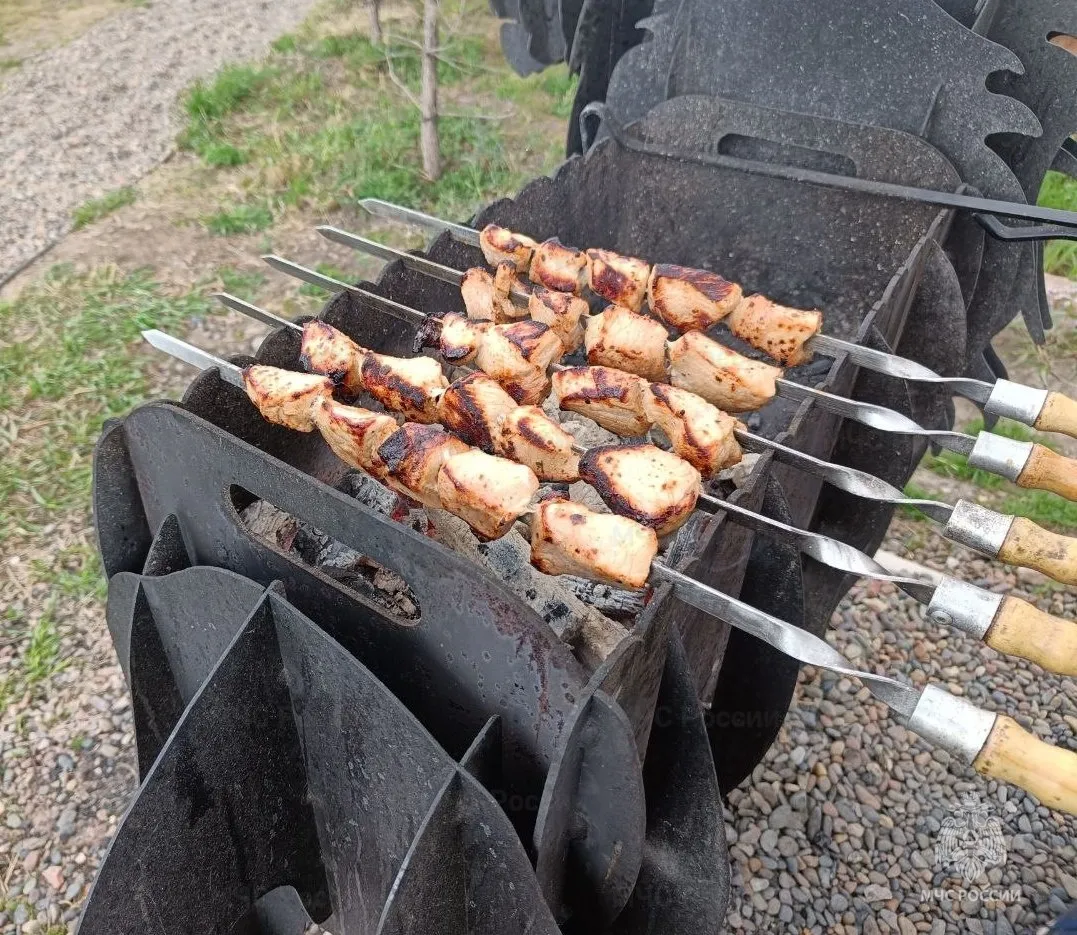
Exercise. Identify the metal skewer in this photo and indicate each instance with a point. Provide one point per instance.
(1038, 408)
(991, 743)
(1027, 464)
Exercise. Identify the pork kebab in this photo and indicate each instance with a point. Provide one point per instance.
(517, 354)
(792, 334)
(435, 468)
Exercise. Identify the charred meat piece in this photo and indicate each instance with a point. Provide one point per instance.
(644, 483)
(527, 435)
(286, 398)
(413, 456)
(557, 267)
(459, 338)
(621, 280)
(473, 406)
(408, 385)
(487, 492)
(700, 433)
(691, 299)
(774, 329)
(518, 356)
(561, 312)
(612, 398)
(622, 339)
(730, 380)
(569, 539)
(354, 434)
(332, 353)
(500, 245)
(486, 297)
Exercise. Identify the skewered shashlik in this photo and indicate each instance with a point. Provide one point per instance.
(565, 537)
(684, 298)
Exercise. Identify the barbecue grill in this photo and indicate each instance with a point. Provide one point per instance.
(498, 750)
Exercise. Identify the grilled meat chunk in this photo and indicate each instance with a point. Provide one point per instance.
(691, 299)
(408, 385)
(486, 297)
(527, 435)
(619, 279)
(700, 433)
(774, 329)
(612, 398)
(330, 352)
(624, 340)
(561, 312)
(557, 267)
(473, 407)
(413, 456)
(354, 434)
(500, 245)
(487, 492)
(569, 539)
(644, 483)
(730, 380)
(459, 338)
(286, 398)
(518, 356)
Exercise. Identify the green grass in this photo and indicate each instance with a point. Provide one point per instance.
(65, 367)
(240, 219)
(97, 208)
(1044, 508)
(1060, 256)
(322, 123)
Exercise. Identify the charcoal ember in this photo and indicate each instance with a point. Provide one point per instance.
(340, 562)
(614, 603)
(271, 524)
(592, 635)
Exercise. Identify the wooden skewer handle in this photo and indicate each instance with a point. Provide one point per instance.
(1059, 414)
(1020, 629)
(1013, 755)
(1032, 546)
(1048, 470)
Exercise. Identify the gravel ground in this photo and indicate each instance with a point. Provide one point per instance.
(98, 113)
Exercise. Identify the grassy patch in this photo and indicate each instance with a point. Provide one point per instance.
(324, 121)
(1060, 256)
(97, 208)
(1044, 508)
(65, 367)
(240, 219)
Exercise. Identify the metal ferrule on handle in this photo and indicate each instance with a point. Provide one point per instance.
(978, 528)
(1000, 455)
(1014, 401)
(952, 723)
(964, 607)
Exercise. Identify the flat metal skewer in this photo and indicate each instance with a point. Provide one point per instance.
(977, 737)
(1034, 407)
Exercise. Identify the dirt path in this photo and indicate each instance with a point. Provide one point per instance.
(97, 114)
